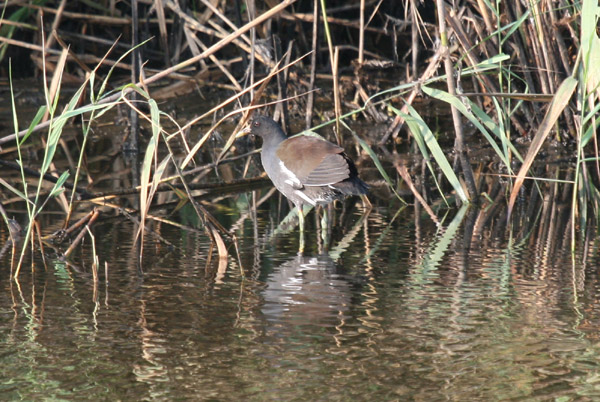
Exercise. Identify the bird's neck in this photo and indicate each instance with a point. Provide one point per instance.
(268, 155)
(273, 141)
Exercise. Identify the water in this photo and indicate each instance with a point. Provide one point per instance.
(397, 310)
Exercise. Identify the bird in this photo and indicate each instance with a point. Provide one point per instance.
(307, 170)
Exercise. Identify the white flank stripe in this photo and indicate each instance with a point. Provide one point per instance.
(292, 180)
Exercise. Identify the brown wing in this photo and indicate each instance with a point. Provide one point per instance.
(315, 162)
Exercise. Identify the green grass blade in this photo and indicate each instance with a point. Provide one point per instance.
(12, 189)
(561, 98)
(149, 157)
(110, 71)
(36, 119)
(58, 186)
(415, 128)
(57, 127)
(456, 102)
(436, 151)
(150, 161)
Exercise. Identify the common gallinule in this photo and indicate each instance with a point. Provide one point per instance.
(305, 169)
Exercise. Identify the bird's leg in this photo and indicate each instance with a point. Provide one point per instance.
(301, 225)
(324, 229)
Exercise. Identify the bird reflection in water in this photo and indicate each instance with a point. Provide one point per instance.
(307, 291)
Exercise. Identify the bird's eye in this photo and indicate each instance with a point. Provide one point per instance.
(257, 124)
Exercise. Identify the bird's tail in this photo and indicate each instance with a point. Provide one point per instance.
(352, 186)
